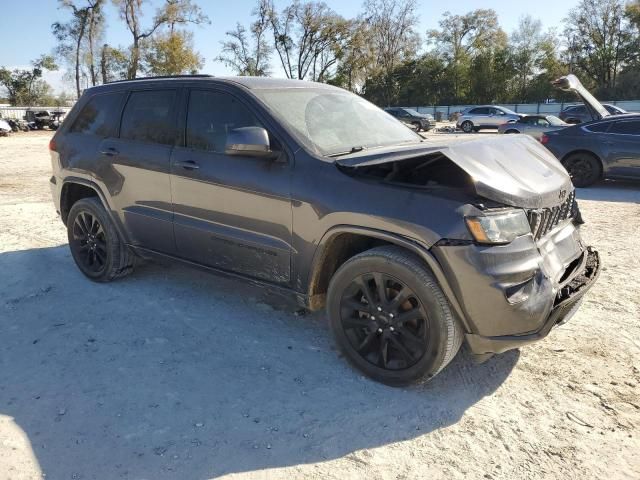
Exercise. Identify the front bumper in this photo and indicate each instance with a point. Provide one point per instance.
(511, 295)
(566, 303)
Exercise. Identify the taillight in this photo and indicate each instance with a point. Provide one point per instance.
(544, 139)
(52, 145)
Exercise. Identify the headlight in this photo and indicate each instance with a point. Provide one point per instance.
(501, 227)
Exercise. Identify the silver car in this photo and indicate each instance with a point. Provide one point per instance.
(485, 116)
(534, 125)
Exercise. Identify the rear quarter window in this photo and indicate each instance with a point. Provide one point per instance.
(598, 127)
(99, 116)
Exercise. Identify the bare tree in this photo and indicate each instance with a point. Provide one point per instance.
(392, 24)
(71, 35)
(309, 38)
(171, 13)
(248, 52)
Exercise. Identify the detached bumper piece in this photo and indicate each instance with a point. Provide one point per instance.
(567, 302)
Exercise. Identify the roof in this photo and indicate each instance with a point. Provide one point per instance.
(253, 83)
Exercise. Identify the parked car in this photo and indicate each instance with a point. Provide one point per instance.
(417, 121)
(534, 125)
(411, 246)
(41, 119)
(581, 113)
(485, 116)
(605, 148)
(5, 128)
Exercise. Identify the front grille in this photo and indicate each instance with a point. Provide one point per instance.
(543, 220)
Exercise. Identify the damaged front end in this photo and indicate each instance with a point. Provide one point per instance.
(522, 266)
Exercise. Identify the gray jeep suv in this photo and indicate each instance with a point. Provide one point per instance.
(412, 246)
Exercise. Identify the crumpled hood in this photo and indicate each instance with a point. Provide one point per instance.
(515, 170)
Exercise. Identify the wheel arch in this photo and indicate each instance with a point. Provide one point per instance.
(76, 188)
(341, 243)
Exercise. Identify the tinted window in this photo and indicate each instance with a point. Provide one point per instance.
(598, 127)
(148, 117)
(211, 116)
(479, 111)
(626, 128)
(99, 116)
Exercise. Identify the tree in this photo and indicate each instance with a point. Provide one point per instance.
(600, 41)
(309, 39)
(248, 53)
(460, 38)
(393, 36)
(172, 53)
(173, 12)
(86, 16)
(358, 59)
(26, 87)
(114, 63)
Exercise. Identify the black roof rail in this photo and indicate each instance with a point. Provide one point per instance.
(196, 75)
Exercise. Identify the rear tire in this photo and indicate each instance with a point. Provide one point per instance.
(467, 126)
(95, 244)
(416, 126)
(390, 318)
(512, 131)
(583, 168)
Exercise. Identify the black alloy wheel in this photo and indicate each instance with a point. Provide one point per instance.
(95, 245)
(384, 321)
(89, 242)
(390, 318)
(583, 168)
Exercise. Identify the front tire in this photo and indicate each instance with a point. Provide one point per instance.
(390, 318)
(583, 168)
(467, 126)
(95, 244)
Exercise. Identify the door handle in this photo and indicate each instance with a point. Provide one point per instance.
(110, 152)
(187, 165)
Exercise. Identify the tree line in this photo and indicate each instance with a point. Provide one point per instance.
(380, 54)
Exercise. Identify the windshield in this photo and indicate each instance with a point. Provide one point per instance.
(335, 122)
(506, 110)
(555, 121)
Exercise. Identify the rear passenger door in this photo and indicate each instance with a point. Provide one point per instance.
(136, 167)
(480, 116)
(230, 212)
(622, 145)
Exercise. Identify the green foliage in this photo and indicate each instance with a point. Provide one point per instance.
(171, 53)
(26, 87)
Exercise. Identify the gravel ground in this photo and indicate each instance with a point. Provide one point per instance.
(175, 373)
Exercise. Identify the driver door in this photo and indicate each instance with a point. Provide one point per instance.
(230, 212)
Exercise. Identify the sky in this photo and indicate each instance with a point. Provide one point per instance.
(27, 25)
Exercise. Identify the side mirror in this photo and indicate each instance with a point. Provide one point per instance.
(248, 141)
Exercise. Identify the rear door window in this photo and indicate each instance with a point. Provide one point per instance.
(211, 116)
(149, 117)
(626, 128)
(99, 116)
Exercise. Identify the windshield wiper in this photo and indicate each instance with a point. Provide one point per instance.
(353, 150)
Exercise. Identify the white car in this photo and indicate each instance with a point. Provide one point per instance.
(485, 116)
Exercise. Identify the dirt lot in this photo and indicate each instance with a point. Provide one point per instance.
(174, 373)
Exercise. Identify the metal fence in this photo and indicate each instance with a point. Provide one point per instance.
(19, 113)
(529, 108)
